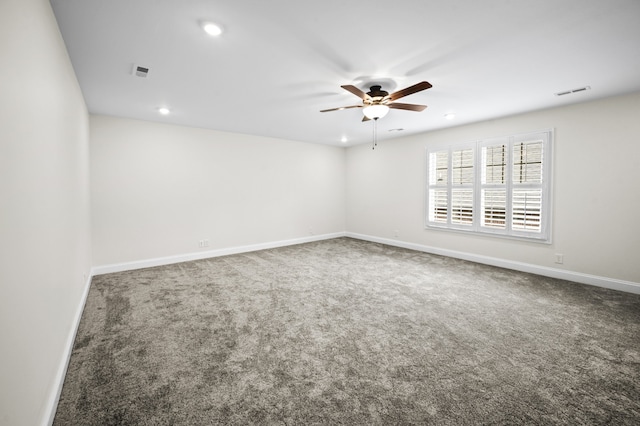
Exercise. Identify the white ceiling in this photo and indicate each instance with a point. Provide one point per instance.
(279, 62)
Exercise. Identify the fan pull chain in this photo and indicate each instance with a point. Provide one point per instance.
(375, 133)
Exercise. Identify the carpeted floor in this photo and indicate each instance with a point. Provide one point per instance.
(355, 333)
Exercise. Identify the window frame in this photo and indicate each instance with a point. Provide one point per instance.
(477, 227)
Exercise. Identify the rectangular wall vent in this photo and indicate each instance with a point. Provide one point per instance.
(140, 71)
(579, 89)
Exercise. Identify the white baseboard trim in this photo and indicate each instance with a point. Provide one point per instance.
(579, 277)
(54, 398)
(148, 263)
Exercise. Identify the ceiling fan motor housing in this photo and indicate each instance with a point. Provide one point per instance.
(377, 94)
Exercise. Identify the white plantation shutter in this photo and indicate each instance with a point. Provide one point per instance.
(451, 191)
(439, 205)
(494, 162)
(497, 186)
(462, 166)
(494, 208)
(438, 193)
(462, 206)
(462, 174)
(527, 162)
(527, 184)
(493, 181)
(526, 209)
(438, 168)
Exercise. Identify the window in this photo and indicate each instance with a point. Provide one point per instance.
(497, 186)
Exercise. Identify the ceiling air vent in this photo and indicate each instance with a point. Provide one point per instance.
(140, 71)
(579, 89)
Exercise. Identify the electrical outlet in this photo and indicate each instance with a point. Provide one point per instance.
(203, 243)
(559, 258)
(396, 233)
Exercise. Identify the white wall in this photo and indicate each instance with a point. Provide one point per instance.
(158, 189)
(44, 209)
(596, 176)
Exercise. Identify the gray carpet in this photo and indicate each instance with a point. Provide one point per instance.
(350, 332)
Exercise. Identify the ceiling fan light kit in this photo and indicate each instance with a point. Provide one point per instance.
(374, 112)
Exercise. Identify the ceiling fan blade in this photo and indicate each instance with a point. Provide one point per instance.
(409, 107)
(365, 118)
(341, 108)
(353, 89)
(423, 85)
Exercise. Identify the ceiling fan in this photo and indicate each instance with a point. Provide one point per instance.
(377, 102)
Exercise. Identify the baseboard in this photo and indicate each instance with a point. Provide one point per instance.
(611, 283)
(54, 398)
(148, 263)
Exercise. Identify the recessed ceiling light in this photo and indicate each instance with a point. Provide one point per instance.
(450, 116)
(212, 29)
(344, 139)
(164, 110)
